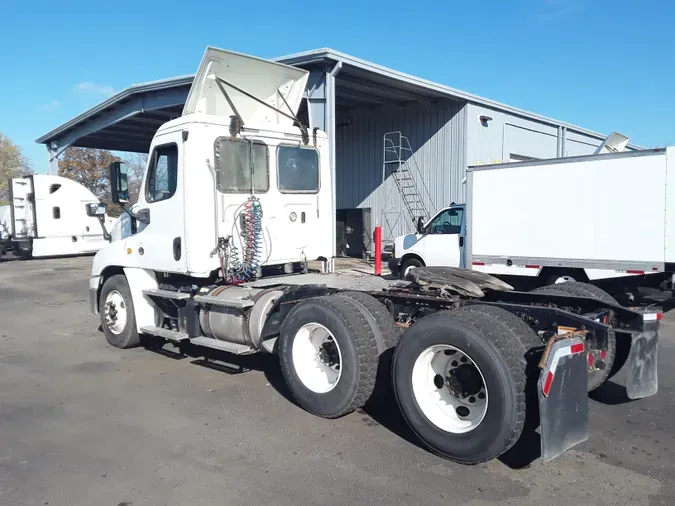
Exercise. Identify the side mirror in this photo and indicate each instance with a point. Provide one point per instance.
(420, 225)
(119, 188)
(96, 209)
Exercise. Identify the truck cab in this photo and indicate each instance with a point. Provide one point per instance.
(233, 186)
(439, 241)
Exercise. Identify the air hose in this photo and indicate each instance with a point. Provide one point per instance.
(251, 234)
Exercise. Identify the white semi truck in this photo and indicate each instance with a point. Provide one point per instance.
(238, 197)
(604, 218)
(52, 216)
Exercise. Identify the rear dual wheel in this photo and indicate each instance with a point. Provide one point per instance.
(328, 350)
(602, 363)
(460, 378)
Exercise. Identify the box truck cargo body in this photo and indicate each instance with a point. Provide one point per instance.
(589, 217)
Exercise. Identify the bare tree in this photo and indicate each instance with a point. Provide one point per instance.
(136, 163)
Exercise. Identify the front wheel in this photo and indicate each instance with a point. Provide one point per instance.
(409, 265)
(459, 379)
(117, 313)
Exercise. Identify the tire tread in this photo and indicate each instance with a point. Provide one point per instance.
(364, 340)
(503, 333)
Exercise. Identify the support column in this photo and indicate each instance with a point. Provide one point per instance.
(330, 131)
(316, 99)
(53, 159)
(559, 150)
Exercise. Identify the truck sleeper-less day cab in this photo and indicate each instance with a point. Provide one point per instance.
(238, 197)
(617, 238)
(52, 216)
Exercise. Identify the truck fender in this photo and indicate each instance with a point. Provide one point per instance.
(139, 280)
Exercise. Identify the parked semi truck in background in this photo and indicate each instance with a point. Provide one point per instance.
(52, 216)
(236, 200)
(606, 218)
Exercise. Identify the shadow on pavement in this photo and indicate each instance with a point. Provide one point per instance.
(381, 410)
(610, 393)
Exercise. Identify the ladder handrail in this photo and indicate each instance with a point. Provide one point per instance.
(404, 164)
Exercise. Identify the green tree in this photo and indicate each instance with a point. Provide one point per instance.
(13, 163)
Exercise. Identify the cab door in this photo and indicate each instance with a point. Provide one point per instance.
(160, 242)
(443, 242)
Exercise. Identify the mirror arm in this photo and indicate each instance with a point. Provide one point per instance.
(101, 220)
(142, 215)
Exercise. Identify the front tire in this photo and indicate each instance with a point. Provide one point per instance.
(328, 356)
(116, 309)
(474, 411)
(409, 264)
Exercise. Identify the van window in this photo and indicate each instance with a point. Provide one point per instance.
(241, 166)
(298, 169)
(449, 221)
(162, 174)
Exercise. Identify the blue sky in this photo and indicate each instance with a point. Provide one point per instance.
(601, 64)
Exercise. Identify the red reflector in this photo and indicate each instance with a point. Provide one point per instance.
(605, 319)
(478, 263)
(634, 271)
(590, 359)
(577, 348)
(603, 354)
(532, 266)
(547, 384)
(659, 316)
(655, 268)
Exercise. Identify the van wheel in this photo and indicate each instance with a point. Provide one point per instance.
(117, 313)
(409, 264)
(460, 380)
(596, 375)
(328, 356)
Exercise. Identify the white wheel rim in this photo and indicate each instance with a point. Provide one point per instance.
(317, 358)
(564, 279)
(449, 410)
(407, 271)
(115, 312)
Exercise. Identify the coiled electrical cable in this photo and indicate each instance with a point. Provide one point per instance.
(251, 239)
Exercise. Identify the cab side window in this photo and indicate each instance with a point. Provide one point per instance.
(162, 173)
(447, 222)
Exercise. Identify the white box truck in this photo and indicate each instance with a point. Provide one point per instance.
(52, 216)
(238, 196)
(591, 218)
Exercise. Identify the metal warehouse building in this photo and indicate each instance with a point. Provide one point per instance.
(400, 145)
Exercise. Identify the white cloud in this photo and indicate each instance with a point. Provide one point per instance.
(556, 9)
(103, 89)
(52, 105)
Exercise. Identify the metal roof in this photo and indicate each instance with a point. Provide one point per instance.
(128, 120)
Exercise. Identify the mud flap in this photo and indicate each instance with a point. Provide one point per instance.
(563, 397)
(642, 376)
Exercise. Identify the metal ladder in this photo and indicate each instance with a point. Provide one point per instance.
(408, 181)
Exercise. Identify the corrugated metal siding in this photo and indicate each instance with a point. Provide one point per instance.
(437, 136)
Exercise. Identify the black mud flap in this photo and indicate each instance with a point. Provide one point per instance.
(563, 397)
(642, 377)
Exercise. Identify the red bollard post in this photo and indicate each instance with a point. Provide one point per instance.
(378, 250)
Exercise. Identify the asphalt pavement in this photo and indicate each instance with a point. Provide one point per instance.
(82, 423)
